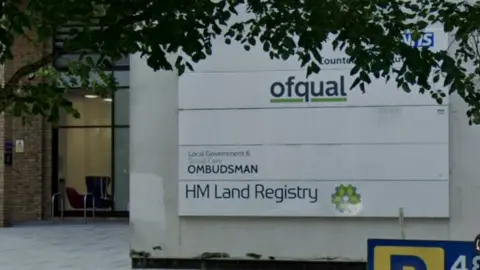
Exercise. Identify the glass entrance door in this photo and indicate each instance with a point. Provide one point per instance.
(92, 157)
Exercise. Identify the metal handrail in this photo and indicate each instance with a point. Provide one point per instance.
(54, 197)
(85, 197)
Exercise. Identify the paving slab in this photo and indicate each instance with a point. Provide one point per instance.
(65, 246)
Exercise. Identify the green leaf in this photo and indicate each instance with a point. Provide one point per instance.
(355, 83)
(266, 46)
(448, 80)
(354, 70)
(365, 77)
(362, 87)
(90, 61)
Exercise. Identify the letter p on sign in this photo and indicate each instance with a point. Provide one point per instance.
(409, 258)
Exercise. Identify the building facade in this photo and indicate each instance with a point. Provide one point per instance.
(23, 183)
(380, 152)
(41, 160)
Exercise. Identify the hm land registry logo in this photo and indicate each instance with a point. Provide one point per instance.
(347, 200)
(293, 91)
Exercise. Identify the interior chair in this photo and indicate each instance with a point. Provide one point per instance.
(76, 199)
(97, 186)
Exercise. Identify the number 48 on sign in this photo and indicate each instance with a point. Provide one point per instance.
(462, 263)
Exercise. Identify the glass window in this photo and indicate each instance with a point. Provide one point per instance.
(121, 105)
(84, 152)
(93, 111)
(93, 152)
(121, 168)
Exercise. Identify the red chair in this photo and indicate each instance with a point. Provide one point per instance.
(76, 199)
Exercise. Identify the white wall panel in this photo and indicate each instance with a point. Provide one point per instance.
(317, 162)
(253, 90)
(312, 199)
(426, 124)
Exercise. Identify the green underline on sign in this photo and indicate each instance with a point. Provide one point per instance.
(286, 100)
(329, 99)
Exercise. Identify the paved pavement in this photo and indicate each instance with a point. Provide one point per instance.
(69, 246)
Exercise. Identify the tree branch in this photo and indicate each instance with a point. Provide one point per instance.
(8, 92)
(14, 80)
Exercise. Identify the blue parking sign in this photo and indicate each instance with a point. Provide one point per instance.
(389, 254)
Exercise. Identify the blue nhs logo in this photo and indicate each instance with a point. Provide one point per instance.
(426, 40)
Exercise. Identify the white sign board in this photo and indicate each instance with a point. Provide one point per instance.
(275, 143)
(312, 198)
(275, 89)
(393, 162)
(19, 146)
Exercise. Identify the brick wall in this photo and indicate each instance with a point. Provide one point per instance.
(25, 185)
